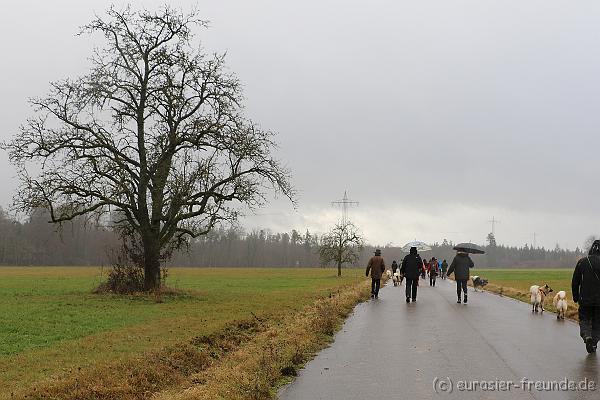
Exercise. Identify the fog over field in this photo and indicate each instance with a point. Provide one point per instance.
(435, 115)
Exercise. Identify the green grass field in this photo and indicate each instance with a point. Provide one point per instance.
(51, 323)
(522, 279)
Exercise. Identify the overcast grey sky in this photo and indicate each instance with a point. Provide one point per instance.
(434, 114)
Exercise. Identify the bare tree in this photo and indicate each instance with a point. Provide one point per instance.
(341, 245)
(154, 132)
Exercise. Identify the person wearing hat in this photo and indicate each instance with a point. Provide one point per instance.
(411, 269)
(585, 287)
(376, 266)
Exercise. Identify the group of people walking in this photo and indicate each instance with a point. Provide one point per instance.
(414, 267)
(585, 283)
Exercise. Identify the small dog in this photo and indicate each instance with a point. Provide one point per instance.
(478, 282)
(560, 303)
(538, 295)
(397, 278)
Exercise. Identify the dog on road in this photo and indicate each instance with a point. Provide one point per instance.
(538, 295)
(397, 278)
(560, 303)
(478, 282)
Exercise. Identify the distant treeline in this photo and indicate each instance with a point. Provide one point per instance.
(36, 242)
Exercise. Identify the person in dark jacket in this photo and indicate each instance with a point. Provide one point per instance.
(376, 266)
(444, 269)
(461, 266)
(394, 266)
(585, 286)
(411, 269)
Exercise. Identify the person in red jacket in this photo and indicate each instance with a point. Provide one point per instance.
(433, 271)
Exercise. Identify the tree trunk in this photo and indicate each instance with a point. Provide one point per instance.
(339, 268)
(151, 264)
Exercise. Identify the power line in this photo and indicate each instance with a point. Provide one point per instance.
(494, 221)
(344, 204)
(535, 235)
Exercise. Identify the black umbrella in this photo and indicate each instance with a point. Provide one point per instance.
(469, 248)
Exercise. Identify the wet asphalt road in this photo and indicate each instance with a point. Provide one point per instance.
(388, 349)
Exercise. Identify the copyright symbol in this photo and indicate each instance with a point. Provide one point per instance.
(442, 385)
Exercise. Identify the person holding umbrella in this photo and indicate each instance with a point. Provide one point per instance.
(411, 268)
(461, 266)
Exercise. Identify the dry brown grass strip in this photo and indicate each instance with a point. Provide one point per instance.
(141, 377)
(255, 369)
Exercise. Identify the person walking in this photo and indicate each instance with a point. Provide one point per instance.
(424, 268)
(411, 269)
(433, 271)
(585, 287)
(461, 266)
(394, 266)
(376, 266)
(444, 269)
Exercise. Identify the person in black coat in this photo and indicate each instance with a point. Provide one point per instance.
(461, 266)
(585, 286)
(411, 269)
(394, 266)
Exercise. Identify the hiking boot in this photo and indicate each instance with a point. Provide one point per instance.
(408, 299)
(458, 302)
(465, 299)
(414, 300)
(590, 345)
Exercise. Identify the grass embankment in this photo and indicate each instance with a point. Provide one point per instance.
(515, 283)
(57, 340)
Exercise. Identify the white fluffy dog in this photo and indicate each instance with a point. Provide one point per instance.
(397, 278)
(560, 303)
(538, 294)
(388, 273)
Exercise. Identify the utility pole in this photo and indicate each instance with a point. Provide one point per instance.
(494, 221)
(344, 203)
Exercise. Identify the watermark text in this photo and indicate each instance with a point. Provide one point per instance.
(448, 385)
